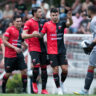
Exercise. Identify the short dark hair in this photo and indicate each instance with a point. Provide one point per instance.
(54, 10)
(34, 10)
(16, 16)
(92, 8)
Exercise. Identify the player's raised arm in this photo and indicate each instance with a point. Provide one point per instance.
(69, 19)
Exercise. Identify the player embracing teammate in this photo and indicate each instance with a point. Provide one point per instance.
(55, 45)
(37, 49)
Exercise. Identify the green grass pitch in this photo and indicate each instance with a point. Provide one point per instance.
(41, 95)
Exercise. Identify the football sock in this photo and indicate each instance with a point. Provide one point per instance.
(4, 82)
(89, 79)
(24, 82)
(56, 79)
(63, 76)
(35, 74)
(44, 76)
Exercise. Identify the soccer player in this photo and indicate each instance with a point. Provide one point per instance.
(55, 45)
(37, 49)
(14, 59)
(92, 59)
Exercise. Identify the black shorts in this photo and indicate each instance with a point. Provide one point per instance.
(38, 58)
(16, 63)
(58, 59)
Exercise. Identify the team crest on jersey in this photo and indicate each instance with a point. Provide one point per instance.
(34, 60)
(59, 27)
(51, 62)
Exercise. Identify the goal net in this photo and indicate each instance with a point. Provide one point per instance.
(78, 61)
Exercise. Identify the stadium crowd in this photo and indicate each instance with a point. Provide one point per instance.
(80, 25)
(79, 14)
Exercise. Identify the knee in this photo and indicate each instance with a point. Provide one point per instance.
(24, 71)
(91, 68)
(8, 74)
(65, 69)
(55, 69)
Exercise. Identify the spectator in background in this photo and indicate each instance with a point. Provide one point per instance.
(76, 23)
(94, 2)
(7, 17)
(39, 2)
(46, 9)
(76, 7)
(1, 27)
(20, 8)
(63, 8)
(35, 4)
(25, 15)
(84, 28)
(1, 14)
(86, 4)
(48, 13)
(44, 5)
(7, 13)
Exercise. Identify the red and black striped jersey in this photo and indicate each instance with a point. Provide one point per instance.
(55, 38)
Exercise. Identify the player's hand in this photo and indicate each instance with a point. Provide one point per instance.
(18, 50)
(36, 34)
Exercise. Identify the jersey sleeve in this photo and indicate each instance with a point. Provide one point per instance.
(7, 32)
(27, 26)
(44, 29)
(64, 23)
(1, 41)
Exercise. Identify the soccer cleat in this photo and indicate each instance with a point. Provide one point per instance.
(35, 89)
(62, 86)
(60, 91)
(44, 91)
(24, 91)
(82, 92)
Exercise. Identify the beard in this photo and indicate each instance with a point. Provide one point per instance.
(55, 20)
